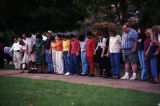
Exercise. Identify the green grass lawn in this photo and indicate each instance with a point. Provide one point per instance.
(29, 92)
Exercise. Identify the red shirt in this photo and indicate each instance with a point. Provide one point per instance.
(90, 47)
(74, 46)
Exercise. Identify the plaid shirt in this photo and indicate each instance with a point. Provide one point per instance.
(128, 43)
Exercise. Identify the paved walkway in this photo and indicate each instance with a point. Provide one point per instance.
(135, 85)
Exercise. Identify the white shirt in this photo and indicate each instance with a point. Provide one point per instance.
(31, 42)
(15, 47)
(159, 38)
(102, 43)
(114, 44)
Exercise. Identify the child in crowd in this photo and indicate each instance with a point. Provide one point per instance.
(53, 52)
(59, 56)
(75, 46)
(66, 49)
(25, 60)
(83, 41)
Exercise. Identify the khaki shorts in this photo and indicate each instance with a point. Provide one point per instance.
(129, 56)
(32, 57)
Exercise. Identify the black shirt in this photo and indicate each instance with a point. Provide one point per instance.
(47, 43)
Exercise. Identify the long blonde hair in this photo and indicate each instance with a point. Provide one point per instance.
(151, 34)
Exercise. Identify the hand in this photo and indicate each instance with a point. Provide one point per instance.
(107, 54)
(94, 52)
(156, 53)
(77, 54)
(62, 56)
(139, 40)
(146, 54)
(50, 52)
(102, 55)
(68, 54)
(133, 50)
(150, 43)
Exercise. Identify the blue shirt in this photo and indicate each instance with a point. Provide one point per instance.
(129, 39)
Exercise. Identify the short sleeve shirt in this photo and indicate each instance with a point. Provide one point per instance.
(114, 44)
(102, 43)
(129, 39)
(74, 46)
(66, 44)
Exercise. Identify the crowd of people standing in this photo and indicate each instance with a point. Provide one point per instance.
(61, 53)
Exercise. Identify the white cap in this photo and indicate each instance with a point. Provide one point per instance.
(49, 31)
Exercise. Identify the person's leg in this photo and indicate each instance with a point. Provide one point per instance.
(85, 63)
(66, 61)
(126, 61)
(145, 73)
(72, 63)
(91, 64)
(50, 64)
(117, 64)
(61, 64)
(133, 58)
(15, 60)
(112, 60)
(153, 63)
(54, 59)
(77, 68)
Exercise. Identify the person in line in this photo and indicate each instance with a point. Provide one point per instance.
(16, 48)
(152, 52)
(114, 50)
(83, 41)
(25, 60)
(59, 56)
(156, 31)
(48, 56)
(40, 56)
(103, 61)
(31, 42)
(140, 47)
(74, 53)
(66, 49)
(90, 47)
(52, 52)
(129, 50)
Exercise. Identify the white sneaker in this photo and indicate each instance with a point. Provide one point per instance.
(125, 77)
(133, 78)
(67, 73)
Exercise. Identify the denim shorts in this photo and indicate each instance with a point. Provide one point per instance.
(129, 56)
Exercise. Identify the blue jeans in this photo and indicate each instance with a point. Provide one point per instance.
(75, 69)
(49, 61)
(145, 72)
(153, 65)
(84, 62)
(115, 63)
(66, 61)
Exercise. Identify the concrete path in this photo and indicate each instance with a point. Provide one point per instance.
(135, 85)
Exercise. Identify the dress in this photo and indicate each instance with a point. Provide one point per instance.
(40, 59)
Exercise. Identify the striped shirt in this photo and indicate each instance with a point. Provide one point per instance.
(129, 39)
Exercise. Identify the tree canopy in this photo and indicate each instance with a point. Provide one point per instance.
(40, 15)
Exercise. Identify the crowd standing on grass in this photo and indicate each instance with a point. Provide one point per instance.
(61, 53)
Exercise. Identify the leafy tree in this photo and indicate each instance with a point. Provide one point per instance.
(39, 15)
